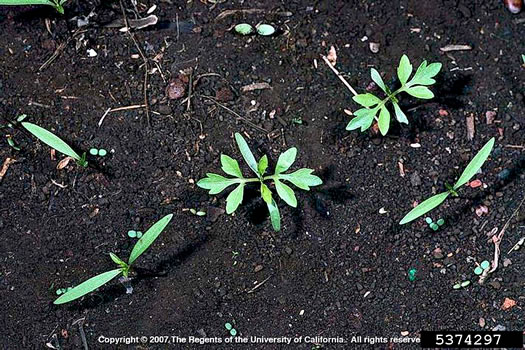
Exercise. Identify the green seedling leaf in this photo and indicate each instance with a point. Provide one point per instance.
(262, 165)
(246, 153)
(51, 140)
(234, 199)
(475, 164)
(275, 216)
(376, 77)
(265, 29)
(363, 119)
(266, 194)
(230, 166)
(215, 183)
(384, 120)
(12, 143)
(302, 178)
(286, 193)
(117, 260)
(404, 70)
(420, 92)
(21, 118)
(149, 237)
(400, 115)
(425, 73)
(424, 207)
(244, 28)
(88, 286)
(285, 160)
(367, 100)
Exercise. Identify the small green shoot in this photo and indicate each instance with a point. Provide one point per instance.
(95, 282)
(55, 142)
(57, 4)
(469, 172)
(301, 178)
(373, 105)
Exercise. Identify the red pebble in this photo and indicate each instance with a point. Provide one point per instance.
(475, 183)
(443, 113)
(175, 89)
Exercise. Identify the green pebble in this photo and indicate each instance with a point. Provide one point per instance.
(412, 274)
(139, 234)
(441, 222)
(228, 325)
(102, 152)
(434, 226)
(485, 265)
(93, 151)
(465, 283)
(233, 332)
(457, 286)
(428, 220)
(478, 270)
(132, 233)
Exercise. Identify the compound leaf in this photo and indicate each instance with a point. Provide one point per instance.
(425, 73)
(230, 166)
(87, 286)
(285, 160)
(475, 164)
(246, 152)
(302, 178)
(420, 92)
(366, 100)
(215, 183)
(286, 193)
(363, 119)
(424, 207)
(234, 199)
(149, 237)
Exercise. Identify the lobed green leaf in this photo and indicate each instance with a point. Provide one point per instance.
(425, 73)
(363, 119)
(302, 178)
(286, 193)
(246, 152)
(376, 77)
(149, 237)
(424, 207)
(400, 115)
(285, 160)
(262, 165)
(230, 166)
(475, 164)
(420, 92)
(215, 183)
(87, 286)
(404, 70)
(51, 140)
(367, 100)
(234, 199)
(384, 120)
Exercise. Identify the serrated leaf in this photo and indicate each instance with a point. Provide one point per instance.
(384, 120)
(363, 119)
(246, 152)
(400, 115)
(215, 183)
(286, 193)
(266, 194)
(367, 100)
(149, 237)
(275, 216)
(302, 178)
(262, 165)
(404, 70)
(420, 92)
(475, 164)
(285, 160)
(87, 286)
(51, 140)
(230, 166)
(376, 77)
(234, 199)
(424, 207)
(425, 73)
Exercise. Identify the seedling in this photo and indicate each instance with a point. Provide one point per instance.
(229, 328)
(482, 267)
(198, 213)
(134, 234)
(261, 29)
(417, 87)
(412, 275)
(10, 125)
(301, 178)
(124, 268)
(471, 170)
(98, 152)
(434, 225)
(461, 285)
(57, 4)
(55, 142)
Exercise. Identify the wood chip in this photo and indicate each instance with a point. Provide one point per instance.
(332, 55)
(508, 304)
(401, 169)
(450, 48)
(5, 166)
(255, 86)
(470, 127)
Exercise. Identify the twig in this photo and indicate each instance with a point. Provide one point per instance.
(146, 66)
(258, 285)
(82, 333)
(110, 110)
(339, 75)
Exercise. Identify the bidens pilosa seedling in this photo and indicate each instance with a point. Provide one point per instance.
(301, 178)
(95, 282)
(416, 86)
(57, 4)
(471, 170)
(55, 142)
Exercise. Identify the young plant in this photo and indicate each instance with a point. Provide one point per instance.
(301, 178)
(372, 105)
(55, 142)
(123, 268)
(471, 170)
(57, 4)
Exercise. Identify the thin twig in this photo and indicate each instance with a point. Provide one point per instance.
(339, 75)
(258, 285)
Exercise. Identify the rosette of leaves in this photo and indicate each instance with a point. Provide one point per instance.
(375, 108)
(302, 178)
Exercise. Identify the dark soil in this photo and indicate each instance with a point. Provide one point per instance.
(338, 267)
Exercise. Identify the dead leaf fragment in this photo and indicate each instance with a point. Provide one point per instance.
(401, 169)
(470, 127)
(490, 116)
(332, 55)
(64, 162)
(449, 48)
(5, 166)
(255, 86)
(508, 304)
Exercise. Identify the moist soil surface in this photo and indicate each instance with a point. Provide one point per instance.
(338, 267)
